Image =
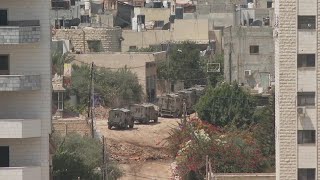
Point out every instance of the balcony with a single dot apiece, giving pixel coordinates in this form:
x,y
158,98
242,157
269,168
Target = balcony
x,y
20,128
19,82
20,173
20,32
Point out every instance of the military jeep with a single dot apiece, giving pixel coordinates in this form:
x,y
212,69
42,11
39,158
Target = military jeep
x,y
143,113
120,118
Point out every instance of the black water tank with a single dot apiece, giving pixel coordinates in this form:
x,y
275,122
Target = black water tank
x,y
171,18
157,4
179,12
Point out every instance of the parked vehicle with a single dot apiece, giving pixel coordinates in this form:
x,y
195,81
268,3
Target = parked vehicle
x,y
120,118
172,104
143,113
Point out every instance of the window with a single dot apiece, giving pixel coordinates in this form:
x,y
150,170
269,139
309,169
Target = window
x,y
306,98
254,49
269,4
60,101
306,136
306,60
95,46
4,64
73,2
84,19
4,156
158,24
3,17
306,22
244,22
250,21
306,174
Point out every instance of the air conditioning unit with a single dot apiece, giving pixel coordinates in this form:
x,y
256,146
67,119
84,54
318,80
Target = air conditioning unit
x,y
301,111
247,73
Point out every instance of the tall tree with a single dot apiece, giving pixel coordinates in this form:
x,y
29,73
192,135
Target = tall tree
x,y
227,105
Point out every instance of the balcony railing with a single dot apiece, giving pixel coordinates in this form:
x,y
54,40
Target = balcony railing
x,y
20,32
20,128
20,173
19,82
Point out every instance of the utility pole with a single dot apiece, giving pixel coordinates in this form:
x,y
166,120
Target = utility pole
x,y
103,160
91,99
184,112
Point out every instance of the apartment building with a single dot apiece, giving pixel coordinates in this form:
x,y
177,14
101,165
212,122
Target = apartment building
x,y
25,89
297,80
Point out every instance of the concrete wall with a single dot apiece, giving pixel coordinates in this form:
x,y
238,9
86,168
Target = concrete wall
x,y
237,41
109,37
33,58
191,29
153,14
136,62
252,176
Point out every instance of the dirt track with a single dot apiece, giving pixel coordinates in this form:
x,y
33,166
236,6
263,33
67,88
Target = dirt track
x,y
140,151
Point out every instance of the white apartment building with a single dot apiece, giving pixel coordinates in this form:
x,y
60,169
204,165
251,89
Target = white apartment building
x,y
297,76
25,89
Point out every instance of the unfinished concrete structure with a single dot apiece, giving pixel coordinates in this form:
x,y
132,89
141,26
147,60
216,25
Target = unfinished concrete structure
x,y
297,89
249,56
25,89
91,39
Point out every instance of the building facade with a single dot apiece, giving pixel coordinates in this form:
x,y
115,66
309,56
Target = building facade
x,y
25,89
249,56
297,81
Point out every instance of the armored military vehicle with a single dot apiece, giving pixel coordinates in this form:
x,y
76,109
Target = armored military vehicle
x,y
170,105
143,113
120,118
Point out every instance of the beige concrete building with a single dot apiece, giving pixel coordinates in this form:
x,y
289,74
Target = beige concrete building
x,y
25,89
191,29
142,64
297,81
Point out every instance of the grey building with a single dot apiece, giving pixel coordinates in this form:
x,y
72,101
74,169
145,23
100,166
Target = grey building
x,y
249,56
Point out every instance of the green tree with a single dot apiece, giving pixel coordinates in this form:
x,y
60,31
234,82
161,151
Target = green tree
x,y
79,156
226,105
184,64
116,88
58,61
264,132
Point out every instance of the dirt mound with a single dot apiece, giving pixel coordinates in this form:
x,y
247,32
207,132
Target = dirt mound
x,y
125,152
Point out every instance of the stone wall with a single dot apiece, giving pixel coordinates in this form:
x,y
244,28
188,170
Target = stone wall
x,y
64,127
110,38
285,92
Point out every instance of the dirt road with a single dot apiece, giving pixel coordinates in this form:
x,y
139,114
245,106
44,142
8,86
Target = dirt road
x,y
140,151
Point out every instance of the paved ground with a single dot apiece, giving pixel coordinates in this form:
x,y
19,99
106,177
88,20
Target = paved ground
x,y
140,151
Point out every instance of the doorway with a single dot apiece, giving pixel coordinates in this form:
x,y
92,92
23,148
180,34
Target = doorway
x,y
4,156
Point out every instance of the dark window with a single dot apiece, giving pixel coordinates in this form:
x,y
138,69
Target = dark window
x,y
306,98
158,24
4,65
254,49
55,4
244,22
249,1
306,136
85,19
95,46
269,4
306,22
3,17
306,60
306,174
250,21
4,156
72,2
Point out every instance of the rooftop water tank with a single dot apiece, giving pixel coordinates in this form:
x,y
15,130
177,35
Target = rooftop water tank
x,y
87,5
250,5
